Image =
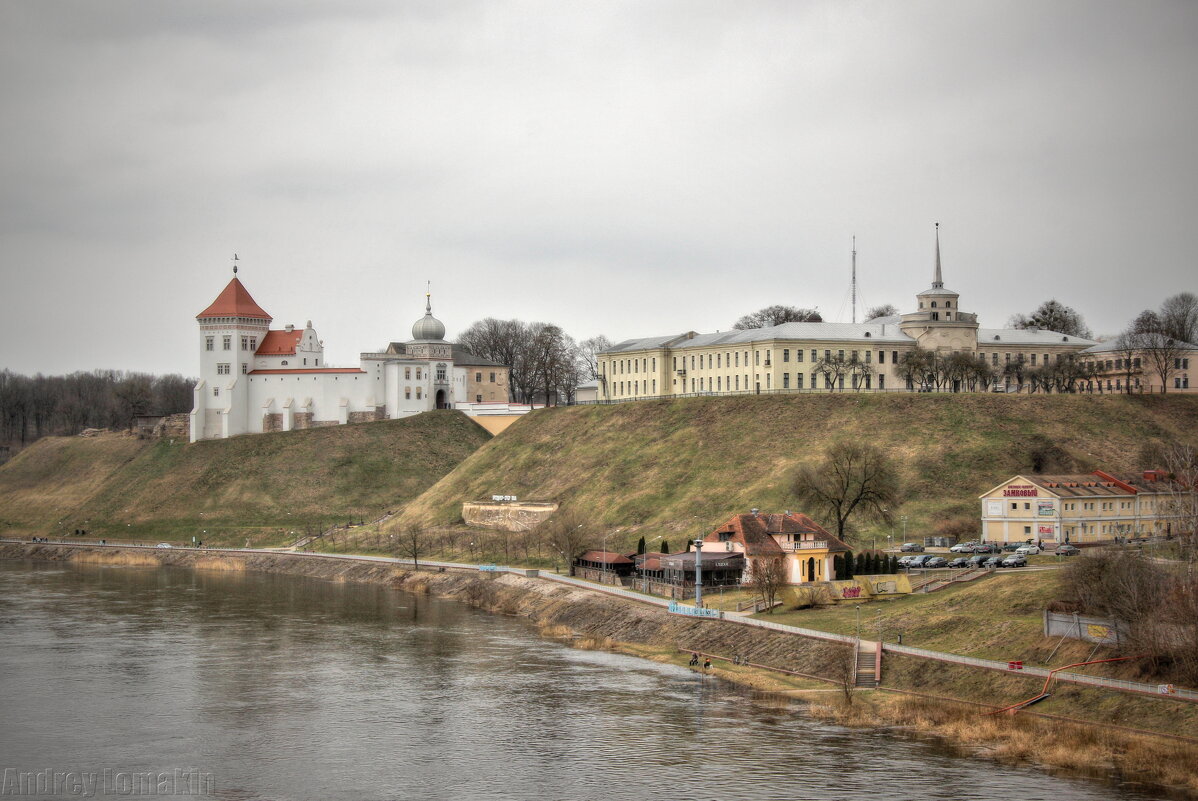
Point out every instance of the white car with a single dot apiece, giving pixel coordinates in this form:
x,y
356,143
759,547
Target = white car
x,y
164,545
1028,550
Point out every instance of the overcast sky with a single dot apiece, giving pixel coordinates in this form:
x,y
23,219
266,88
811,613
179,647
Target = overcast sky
x,y
627,169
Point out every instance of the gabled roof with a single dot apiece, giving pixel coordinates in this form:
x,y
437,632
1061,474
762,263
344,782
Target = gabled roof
x,y
754,531
994,337
605,557
234,301
279,343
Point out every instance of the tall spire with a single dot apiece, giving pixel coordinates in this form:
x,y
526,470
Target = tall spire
x,y
938,281
428,297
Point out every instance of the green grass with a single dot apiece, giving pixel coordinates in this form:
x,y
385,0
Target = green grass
x,y
681,467
260,487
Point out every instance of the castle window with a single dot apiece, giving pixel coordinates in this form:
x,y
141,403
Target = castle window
x,y
440,372
222,368
935,315
216,392
492,378
407,393
948,304
933,304
228,342
245,343
209,343
244,368
254,343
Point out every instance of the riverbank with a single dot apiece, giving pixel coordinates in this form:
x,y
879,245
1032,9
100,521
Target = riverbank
x,y
590,619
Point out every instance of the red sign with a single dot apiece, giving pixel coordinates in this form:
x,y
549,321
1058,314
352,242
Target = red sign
x,y
1019,491
1015,665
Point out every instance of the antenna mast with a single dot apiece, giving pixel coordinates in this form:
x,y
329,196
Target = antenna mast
x,y
854,278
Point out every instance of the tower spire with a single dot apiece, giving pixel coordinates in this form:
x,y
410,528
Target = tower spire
x,y
428,297
234,264
938,280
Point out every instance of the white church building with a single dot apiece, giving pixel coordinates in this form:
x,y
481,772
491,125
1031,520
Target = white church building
x,y
255,379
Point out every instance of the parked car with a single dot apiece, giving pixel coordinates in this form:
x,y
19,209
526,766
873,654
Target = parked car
x,y
1015,560
964,547
1067,550
993,561
978,559
986,547
1011,547
905,561
921,560
935,561
163,545
911,547
960,561
1028,550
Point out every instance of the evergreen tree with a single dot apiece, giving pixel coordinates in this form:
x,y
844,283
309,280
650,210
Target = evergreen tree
x,y
640,546
665,546
862,564
848,565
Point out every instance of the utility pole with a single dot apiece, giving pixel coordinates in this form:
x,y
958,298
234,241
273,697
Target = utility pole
x,y
699,573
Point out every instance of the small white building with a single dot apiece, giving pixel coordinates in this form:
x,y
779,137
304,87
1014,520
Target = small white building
x,y
255,379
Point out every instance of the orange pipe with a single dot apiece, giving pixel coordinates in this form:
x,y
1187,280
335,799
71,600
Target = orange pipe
x,y
1052,674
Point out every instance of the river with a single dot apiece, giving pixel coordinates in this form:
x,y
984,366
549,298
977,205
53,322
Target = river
x,y
246,686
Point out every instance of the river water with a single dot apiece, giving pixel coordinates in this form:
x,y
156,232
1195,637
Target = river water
x,y
256,686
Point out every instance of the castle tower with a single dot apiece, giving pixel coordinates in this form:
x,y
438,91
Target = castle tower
x,y
938,324
230,330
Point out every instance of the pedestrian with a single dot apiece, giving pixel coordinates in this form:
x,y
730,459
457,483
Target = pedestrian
x,y
694,658
707,664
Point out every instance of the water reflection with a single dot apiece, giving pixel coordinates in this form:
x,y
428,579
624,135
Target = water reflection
x,y
291,688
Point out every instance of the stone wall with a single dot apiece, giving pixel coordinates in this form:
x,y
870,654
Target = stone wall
x,y
368,417
272,422
507,516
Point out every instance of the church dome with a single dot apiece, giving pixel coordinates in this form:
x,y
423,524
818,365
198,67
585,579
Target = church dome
x,y
428,327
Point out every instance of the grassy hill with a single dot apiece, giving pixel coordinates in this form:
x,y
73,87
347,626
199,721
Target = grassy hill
x,y
261,487
680,467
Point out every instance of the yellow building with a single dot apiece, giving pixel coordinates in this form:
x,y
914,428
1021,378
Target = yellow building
x,y
798,357
806,547
1095,507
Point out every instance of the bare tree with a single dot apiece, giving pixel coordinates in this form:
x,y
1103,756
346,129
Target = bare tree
x,y
413,542
885,310
1179,317
1052,315
777,315
852,477
767,576
913,366
833,367
566,534
588,354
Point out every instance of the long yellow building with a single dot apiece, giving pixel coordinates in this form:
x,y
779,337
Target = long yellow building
x,y
797,357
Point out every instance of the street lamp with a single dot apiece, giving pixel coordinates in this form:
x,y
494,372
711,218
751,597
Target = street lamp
x,y
699,572
858,608
904,519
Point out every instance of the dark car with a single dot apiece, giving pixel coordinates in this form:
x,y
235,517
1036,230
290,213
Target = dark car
x,y
960,561
911,547
978,560
1015,560
920,560
1012,546
1067,550
935,561
993,562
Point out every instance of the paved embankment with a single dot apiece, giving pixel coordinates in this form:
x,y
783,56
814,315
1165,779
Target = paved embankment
x,y
350,567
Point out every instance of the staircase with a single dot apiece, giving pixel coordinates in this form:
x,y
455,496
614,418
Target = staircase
x,y
867,677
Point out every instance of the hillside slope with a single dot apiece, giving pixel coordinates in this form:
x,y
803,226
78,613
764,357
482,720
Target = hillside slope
x,y
260,486
686,465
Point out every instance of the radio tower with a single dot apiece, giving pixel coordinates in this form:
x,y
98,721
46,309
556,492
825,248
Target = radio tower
x,y
854,278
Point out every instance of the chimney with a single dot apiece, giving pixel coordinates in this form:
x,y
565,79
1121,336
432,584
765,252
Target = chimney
x,y
754,511
1150,475
289,328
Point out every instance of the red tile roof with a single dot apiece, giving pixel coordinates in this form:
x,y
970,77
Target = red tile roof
x,y
286,371
234,301
606,557
753,531
279,343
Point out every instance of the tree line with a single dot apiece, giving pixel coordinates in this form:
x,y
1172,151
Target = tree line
x,y
546,363
62,405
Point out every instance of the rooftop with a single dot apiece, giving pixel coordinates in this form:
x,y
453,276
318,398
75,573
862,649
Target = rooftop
x,y
234,301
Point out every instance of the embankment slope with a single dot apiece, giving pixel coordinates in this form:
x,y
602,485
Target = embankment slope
x,y
253,486
686,464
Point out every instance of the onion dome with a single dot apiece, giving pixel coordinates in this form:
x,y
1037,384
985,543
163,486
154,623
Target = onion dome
x,y
428,327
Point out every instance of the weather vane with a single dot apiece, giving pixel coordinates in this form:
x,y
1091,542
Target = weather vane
x,y
234,264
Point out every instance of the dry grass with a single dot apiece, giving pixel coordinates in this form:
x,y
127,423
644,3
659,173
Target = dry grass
x,y
680,467
258,487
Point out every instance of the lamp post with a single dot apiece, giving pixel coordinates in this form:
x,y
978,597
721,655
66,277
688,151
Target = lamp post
x,y
904,519
699,572
645,558
858,608
603,564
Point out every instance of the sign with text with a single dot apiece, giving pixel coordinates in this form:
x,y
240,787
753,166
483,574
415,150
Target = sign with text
x,y
676,608
1046,508
1019,491
503,498
1046,531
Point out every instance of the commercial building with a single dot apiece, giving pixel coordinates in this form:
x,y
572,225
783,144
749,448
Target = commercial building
x,y
806,547
1078,509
